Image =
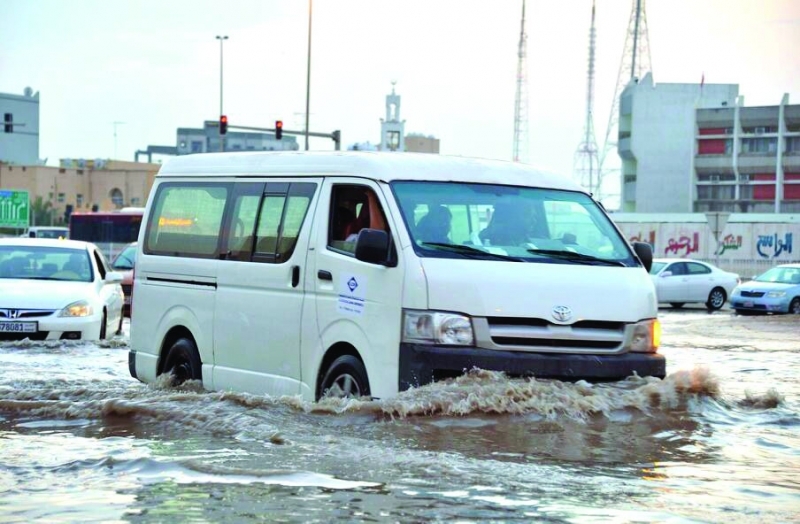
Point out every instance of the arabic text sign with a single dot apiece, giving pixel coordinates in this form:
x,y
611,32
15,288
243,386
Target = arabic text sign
x,y
14,209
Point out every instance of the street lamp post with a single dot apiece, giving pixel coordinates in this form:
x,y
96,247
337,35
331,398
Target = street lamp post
x,y
308,71
221,137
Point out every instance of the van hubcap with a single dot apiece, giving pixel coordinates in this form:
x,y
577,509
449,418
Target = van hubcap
x,y
345,385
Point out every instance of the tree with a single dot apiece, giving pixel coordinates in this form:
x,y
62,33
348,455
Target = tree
x,y
41,212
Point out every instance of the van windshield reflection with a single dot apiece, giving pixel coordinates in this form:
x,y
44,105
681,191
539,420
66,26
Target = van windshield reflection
x,y
486,221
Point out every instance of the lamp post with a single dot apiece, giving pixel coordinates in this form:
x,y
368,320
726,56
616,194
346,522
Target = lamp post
x,y
308,71
221,137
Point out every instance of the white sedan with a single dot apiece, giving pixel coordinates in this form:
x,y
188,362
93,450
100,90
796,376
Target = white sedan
x,y
681,280
57,290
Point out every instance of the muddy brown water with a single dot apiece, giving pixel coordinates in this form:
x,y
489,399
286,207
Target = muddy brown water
x,y
717,440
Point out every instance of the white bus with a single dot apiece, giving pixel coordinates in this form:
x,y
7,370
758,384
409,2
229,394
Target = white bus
x,y
365,274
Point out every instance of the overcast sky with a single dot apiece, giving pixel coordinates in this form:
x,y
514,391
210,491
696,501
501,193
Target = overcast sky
x,y
155,64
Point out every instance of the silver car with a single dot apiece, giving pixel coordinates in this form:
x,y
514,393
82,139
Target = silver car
x,y
775,291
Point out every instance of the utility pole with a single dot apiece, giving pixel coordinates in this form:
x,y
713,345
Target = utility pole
x,y
221,136
586,168
521,101
308,72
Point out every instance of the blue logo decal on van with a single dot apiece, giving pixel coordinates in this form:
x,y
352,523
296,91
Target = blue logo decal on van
x,y
352,284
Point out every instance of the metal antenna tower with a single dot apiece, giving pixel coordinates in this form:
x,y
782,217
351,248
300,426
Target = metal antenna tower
x,y
587,163
521,101
635,63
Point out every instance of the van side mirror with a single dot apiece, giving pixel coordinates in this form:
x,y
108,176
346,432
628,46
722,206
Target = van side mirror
x,y
645,254
372,245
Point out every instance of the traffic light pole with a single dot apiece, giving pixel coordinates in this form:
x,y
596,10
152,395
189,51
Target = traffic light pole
x,y
336,136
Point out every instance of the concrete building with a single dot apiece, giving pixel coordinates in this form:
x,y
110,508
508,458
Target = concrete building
x,y
392,128
207,140
19,134
83,184
696,148
418,143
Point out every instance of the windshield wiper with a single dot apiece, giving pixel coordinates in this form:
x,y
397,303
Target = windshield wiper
x,y
576,257
469,250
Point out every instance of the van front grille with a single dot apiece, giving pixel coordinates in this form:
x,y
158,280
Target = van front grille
x,y
538,334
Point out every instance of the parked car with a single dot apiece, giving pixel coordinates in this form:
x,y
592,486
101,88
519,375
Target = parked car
x,y
124,263
775,291
57,290
681,280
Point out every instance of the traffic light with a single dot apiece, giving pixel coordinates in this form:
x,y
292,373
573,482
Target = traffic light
x,y
9,123
223,124
278,129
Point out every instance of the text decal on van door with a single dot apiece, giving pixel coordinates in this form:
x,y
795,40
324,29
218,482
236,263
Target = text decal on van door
x,y
352,289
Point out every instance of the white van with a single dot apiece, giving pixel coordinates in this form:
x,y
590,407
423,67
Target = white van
x,y
366,274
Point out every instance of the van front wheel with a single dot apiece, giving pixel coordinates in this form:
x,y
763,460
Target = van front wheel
x,y
346,377
183,362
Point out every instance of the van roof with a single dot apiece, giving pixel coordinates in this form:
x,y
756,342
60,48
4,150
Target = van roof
x,y
383,166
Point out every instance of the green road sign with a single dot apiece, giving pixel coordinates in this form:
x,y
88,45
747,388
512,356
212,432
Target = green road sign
x,y
14,209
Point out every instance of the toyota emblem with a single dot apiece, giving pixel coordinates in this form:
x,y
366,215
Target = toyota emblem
x,y
562,313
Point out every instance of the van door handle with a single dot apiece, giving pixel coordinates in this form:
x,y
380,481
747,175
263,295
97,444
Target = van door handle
x,y
324,275
295,275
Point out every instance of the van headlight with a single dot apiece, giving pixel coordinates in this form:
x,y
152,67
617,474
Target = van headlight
x,y
437,327
776,294
80,308
646,337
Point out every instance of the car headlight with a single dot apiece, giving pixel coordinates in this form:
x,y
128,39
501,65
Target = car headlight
x,y
80,308
437,327
646,336
776,294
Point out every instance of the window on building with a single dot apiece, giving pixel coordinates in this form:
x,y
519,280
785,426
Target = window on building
x,y
716,177
393,139
61,198
116,197
197,146
79,200
745,192
793,144
136,201
716,192
759,145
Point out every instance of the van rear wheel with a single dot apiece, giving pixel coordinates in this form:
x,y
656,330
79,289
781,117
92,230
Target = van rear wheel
x,y
346,377
183,362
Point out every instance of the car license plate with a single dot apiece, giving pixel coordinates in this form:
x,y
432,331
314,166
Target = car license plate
x,y
749,303
19,327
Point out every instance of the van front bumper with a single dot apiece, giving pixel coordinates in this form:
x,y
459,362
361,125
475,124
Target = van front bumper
x,y
422,364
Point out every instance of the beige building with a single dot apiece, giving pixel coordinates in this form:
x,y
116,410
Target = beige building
x,y
83,184
422,144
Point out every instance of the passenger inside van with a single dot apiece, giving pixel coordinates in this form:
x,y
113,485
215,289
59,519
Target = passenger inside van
x,y
510,225
435,225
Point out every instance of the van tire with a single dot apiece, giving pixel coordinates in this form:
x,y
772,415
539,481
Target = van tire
x,y
183,362
348,373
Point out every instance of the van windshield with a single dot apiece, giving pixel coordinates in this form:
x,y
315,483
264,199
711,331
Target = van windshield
x,y
516,224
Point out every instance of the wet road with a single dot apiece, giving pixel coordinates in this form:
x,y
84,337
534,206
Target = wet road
x,y
717,440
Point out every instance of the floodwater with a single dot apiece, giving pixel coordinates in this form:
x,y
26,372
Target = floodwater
x,y
718,440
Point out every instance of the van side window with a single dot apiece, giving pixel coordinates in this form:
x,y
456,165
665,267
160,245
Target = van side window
x,y
353,208
186,220
283,212
239,244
